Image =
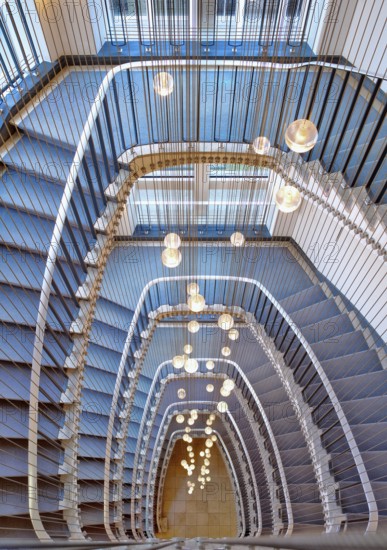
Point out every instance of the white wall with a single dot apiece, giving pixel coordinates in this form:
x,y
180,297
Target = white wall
x,y
68,27
342,257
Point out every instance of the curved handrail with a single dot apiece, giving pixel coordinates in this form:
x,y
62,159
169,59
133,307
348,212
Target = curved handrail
x,y
228,461
54,247
163,423
256,492
258,403
358,460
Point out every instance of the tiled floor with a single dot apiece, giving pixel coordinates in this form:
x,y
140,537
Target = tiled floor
x,y
206,513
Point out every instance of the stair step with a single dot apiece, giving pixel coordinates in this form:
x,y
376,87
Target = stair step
x,y
352,364
304,298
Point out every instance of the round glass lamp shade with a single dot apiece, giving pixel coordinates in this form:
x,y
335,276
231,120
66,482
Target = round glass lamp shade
x,y
192,289
225,321
208,430
187,429
213,437
196,303
288,199
194,414
163,84
191,366
191,421
261,145
171,257
229,384
301,135
193,326
188,349
226,351
209,422
233,334
210,388
209,443
180,418
189,449
237,239
178,361
210,365
224,392
172,240
181,393
222,406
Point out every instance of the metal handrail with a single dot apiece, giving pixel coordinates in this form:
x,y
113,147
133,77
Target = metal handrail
x,y
54,247
367,487
262,412
223,449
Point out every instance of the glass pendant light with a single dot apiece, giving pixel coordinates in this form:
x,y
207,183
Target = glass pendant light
x,y
178,361
209,443
191,366
163,84
237,239
261,145
212,416
191,421
224,392
225,321
208,430
301,135
171,257
210,388
172,240
222,406
196,302
187,429
180,419
213,437
233,334
193,326
194,414
210,365
192,289
288,199
226,351
229,384
181,393
188,349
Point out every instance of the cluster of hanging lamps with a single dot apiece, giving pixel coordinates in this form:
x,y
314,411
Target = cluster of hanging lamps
x,y
171,256
195,300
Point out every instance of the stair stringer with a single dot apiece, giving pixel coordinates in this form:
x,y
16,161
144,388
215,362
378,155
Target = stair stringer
x,y
71,398
327,485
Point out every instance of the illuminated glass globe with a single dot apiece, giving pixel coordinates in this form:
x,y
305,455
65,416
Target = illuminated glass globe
x,y
224,392
201,453
288,199
171,257
225,321
210,365
206,462
212,416
180,419
194,414
226,351
163,84
193,326
237,239
192,289
208,430
261,145
184,463
189,439
213,437
172,240
189,449
188,349
229,384
209,443
210,388
178,361
196,303
191,421
222,406
191,366
187,429
208,478
191,454
181,393
233,334
301,135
